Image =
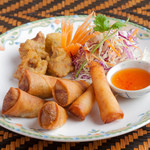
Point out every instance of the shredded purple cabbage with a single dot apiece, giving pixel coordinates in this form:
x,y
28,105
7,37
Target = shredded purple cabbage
x,y
126,52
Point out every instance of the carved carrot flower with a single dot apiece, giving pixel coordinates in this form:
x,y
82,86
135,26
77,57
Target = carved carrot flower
x,y
82,35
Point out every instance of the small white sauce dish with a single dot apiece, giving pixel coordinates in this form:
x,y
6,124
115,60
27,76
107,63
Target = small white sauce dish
x,y
124,65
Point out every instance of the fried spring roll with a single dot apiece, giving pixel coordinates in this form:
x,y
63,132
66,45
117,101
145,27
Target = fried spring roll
x,y
66,91
52,116
83,104
108,105
18,103
37,84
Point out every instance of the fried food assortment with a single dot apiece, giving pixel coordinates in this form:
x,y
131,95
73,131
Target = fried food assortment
x,y
33,56
43,56
21,104
52,56
52,116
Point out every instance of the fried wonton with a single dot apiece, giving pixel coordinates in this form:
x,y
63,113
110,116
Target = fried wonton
x,y
33,62
53,40
60,63
36,44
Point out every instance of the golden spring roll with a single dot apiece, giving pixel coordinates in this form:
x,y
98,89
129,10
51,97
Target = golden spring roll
x,y
52,116
108,105
37,84
66,91
18,103
82,106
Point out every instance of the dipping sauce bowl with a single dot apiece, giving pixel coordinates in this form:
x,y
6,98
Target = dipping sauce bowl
x,y
126,65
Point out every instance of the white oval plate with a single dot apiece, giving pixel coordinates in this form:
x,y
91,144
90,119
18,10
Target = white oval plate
x,y
136,111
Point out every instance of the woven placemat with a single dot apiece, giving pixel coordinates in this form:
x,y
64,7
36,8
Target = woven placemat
x,y
16,12
137,140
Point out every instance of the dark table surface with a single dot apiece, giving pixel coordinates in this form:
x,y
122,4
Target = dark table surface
x,y
16,12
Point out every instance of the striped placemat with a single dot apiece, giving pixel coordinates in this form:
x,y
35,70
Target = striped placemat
x,y
16,12
137,140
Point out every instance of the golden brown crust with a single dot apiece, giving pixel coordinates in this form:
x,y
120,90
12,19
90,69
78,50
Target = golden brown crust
x,y
52,40
36,84
10,99
108,105
25,105
31,62
69,90
60,93
52,116
36,44
24,81
33,56
48,114
83,84
83,104
60,63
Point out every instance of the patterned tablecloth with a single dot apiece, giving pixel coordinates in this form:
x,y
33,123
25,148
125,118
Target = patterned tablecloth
x,y
16,12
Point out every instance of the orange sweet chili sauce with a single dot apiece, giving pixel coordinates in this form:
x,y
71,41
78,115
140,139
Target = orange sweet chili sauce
x,y
131,79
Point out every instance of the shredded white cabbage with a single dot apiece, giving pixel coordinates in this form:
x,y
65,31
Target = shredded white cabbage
x,y
122,46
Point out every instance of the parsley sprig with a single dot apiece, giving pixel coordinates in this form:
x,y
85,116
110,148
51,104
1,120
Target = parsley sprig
x,y
102,25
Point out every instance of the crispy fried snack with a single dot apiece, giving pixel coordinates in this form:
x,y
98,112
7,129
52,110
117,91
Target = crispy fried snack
x,y
37,84
52,116
33,56
36,44
82,106
53,40
108,105
60,63
66,91
21,104
32,62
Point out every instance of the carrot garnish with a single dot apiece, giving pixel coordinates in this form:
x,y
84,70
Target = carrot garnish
x,y
73,48
63,38
80,31
136,30
113,48
70,31
81,36
84,25
99,58
90,56
139,50
63,25
86,38
1,48
84,34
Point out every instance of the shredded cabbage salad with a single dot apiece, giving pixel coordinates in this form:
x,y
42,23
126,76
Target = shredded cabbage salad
x,y
120,47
